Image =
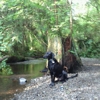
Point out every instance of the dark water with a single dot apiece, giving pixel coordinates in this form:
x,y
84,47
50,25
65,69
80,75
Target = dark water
x,y
9,85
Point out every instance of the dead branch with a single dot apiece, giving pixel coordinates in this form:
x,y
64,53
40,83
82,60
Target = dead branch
x,y
3,58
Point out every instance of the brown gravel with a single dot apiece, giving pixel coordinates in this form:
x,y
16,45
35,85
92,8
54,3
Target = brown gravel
x,y
84,87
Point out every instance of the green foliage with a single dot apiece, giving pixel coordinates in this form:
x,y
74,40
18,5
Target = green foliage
x,y
5,43
89,49
87,30
18,24
5,69
25,25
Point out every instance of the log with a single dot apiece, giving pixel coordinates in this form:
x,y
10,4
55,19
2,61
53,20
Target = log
x,y
4,57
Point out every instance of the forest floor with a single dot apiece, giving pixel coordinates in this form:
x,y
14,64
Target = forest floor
x,y
84,87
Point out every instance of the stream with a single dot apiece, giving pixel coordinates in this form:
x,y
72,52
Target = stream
x,y
10,86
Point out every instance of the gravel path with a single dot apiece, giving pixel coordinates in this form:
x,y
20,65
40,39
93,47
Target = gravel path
x,y
84,87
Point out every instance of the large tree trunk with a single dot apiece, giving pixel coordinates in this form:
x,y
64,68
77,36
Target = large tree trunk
x,y
70,57
55,46
62,52
65,54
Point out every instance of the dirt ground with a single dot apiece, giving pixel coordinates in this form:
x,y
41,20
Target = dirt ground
x,y
84,87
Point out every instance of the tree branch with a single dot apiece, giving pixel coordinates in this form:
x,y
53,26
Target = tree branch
x,y
3,58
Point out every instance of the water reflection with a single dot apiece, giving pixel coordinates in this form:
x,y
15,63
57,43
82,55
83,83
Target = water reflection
x,y
9,85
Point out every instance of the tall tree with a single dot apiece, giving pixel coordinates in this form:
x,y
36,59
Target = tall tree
x,y
64,45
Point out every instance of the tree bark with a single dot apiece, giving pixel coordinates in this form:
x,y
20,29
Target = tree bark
x,y
71,60
55,46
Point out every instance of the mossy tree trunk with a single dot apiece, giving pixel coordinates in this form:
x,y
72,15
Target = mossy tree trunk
x,y
55,46
70,57
65,52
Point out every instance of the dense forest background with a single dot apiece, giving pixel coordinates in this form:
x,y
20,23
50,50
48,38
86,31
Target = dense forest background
x,y
26,24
